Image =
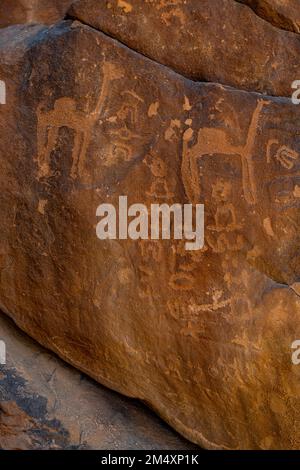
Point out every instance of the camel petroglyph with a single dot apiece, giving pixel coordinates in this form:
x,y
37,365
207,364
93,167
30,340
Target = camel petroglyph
x,y
212,141
66,114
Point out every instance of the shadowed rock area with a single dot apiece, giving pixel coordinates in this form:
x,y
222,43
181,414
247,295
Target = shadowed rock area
x,y
45,404
32,11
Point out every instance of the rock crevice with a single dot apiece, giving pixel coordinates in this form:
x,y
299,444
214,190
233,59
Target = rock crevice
x,y
221,41
283,14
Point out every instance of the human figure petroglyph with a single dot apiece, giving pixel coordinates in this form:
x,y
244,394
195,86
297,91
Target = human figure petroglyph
x,y
183,265
160,186
129,107
66,114
225,216
157,166
121,147
213,141
226,226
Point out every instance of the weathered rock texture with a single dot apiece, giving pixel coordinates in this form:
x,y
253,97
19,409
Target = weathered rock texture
x,y
212,40
202,337
283,14
45,404
32,11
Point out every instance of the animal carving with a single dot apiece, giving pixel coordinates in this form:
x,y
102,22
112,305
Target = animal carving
x,y
213,141
65,114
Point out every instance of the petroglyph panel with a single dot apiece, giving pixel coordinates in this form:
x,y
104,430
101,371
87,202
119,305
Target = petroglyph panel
x,y
193,334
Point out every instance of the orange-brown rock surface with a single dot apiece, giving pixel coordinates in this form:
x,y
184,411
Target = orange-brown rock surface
x,y
283,14
212,40
32,11
46,404
203,337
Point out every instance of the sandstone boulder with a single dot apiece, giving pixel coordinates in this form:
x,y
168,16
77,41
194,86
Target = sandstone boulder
x,y
46,404
283,14
211,40
203,337
32,11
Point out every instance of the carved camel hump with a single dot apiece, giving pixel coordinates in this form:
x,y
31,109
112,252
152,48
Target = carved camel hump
x,y
215,141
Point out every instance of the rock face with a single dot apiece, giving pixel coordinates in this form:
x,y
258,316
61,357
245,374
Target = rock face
x,y
32,11
45,404
283,14
212,40
203,337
